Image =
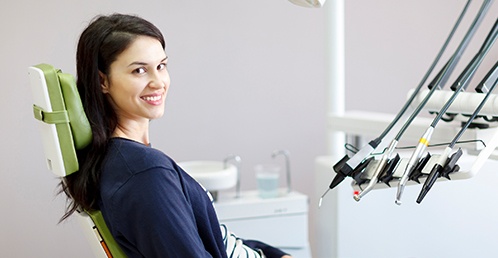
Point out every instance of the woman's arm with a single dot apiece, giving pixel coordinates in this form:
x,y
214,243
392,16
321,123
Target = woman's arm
x,y
237,247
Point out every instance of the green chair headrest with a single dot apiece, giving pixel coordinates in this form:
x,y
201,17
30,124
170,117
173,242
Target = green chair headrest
x,y
72,127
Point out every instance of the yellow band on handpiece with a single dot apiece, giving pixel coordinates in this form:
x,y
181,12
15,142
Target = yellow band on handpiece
x,y
424,141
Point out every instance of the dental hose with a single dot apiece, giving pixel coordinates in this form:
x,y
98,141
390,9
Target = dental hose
x,y
459,85
436,84
446,163
346,165
442,76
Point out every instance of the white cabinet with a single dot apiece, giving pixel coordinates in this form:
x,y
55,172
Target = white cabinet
x,y
281,222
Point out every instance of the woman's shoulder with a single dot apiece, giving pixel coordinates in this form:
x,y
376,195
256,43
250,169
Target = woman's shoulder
x,y
136,156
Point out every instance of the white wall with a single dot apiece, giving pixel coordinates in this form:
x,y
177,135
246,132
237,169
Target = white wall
x,y
247,78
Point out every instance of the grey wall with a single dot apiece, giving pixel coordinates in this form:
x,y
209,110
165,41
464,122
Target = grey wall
x,y
247,78
391,44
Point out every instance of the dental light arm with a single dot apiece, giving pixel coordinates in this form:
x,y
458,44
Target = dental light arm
x,y
346,165
424,140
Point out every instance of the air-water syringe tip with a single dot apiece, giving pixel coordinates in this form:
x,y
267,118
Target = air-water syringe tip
x,y
321,198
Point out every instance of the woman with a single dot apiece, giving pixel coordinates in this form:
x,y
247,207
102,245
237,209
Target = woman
x,y
151,206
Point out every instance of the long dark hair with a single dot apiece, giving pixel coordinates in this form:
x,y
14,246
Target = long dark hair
x,y
99,45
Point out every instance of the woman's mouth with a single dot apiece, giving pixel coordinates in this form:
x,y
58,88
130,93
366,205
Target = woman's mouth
x,y
153,100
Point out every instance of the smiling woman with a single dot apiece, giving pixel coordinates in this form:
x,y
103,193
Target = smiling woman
x,y
151,206
136,87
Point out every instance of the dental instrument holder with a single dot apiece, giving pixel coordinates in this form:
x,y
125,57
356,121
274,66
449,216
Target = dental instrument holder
x,y
387,176
418,171
379,169
286,155
438,171
366,123
346,165
450,162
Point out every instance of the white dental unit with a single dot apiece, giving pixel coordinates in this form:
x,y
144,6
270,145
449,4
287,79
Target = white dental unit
x,y
459,215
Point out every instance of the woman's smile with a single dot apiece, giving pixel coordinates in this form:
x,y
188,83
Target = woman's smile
x,y
154,99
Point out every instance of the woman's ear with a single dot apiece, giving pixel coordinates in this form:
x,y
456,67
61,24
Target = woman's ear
x,y
104,82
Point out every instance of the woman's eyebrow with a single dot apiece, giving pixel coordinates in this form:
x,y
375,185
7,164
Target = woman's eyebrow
x,y
137,63
144,63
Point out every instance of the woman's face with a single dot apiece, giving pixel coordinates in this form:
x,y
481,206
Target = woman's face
x,y
138,81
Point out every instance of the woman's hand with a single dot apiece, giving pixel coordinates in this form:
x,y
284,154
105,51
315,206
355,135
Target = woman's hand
x,y
286,256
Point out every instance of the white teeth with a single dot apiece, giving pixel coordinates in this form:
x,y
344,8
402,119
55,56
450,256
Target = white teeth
x,y
152,98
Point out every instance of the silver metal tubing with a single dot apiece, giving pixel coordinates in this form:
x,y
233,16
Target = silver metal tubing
x,y
286,155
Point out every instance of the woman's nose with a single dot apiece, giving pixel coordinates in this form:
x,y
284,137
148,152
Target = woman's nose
x,y
157,84
158,81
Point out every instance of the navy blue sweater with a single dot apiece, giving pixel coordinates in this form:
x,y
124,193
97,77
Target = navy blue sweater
x,y
148,204
155,209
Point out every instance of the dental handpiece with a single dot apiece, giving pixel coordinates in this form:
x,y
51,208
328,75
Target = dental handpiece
x,y
434,174
380,167
346,165
419,150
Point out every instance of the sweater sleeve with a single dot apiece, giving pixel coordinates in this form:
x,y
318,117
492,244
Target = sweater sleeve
x,y
240,248
268,250
153,215
235,246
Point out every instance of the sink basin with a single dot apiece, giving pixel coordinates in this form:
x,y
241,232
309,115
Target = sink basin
x,y
211,174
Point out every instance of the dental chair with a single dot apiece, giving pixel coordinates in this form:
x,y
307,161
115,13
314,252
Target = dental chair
x,y
65,129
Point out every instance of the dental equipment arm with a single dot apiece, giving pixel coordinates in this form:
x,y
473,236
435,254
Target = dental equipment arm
x,y
436,84
444,161
462,82
346,165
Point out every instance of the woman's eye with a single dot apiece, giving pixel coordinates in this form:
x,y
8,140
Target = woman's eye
x,y
161,66
139,70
